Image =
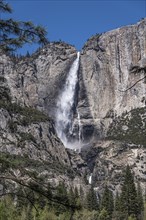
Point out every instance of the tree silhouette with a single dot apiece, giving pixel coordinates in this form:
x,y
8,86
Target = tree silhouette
x,y
14,34
129,203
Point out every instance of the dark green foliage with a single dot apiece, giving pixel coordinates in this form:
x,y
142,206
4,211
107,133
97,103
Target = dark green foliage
x,y
16,161
118,214
103,215
12,126
8,210
145,210
27,137
140,201
15,34
107,202
49,202
61,190
4,94
91,200
129,204
128,197
71,196
136,127
30,115
74,197
117,202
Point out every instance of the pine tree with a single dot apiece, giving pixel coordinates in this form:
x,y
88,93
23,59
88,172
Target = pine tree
x,y
132,217
107,201
61,196
140,201
82,197
118,215
77,198
103,215
71,196
81,191
8,210
128,198
47,214
91,200
14,34
117,202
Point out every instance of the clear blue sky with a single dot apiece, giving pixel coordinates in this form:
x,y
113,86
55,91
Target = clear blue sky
x,y
75,21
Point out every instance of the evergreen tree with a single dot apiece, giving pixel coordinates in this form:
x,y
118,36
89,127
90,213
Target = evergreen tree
x,y
8,210
91,200
82,197
117,208
77,198
117,202
76,192
81,191
140,208
132,217
61,195
107,201
47,215
128,198
71,196
16,33
103,215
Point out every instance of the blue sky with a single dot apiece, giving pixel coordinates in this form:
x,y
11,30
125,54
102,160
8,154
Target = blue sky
x,y
77,20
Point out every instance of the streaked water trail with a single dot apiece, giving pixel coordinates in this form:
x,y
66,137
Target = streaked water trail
x,y
64,114
79,124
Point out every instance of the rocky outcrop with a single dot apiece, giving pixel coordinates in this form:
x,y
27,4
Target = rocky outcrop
x,y
112,104
37,80
107,159
29,87
112,75
28,84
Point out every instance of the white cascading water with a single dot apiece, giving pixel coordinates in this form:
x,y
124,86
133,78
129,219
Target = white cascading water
x,y
64,114
79,124
90,179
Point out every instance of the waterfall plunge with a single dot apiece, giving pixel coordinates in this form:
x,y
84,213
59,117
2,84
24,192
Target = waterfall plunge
x,y
64,115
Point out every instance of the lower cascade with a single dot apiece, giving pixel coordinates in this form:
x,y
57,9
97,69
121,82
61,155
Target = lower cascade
x,y
65,106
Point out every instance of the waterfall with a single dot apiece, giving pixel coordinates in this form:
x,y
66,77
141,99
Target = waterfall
x,y
79,124
90,179
65,105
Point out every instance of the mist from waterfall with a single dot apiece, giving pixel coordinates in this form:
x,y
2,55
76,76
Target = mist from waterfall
x,y
65,105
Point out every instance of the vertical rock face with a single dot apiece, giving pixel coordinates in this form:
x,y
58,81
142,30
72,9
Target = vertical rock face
x,y
33,83
29,88
37,80
111,64
112,103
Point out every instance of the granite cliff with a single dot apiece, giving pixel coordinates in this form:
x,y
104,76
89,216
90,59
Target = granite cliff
x,y
110,98
112,103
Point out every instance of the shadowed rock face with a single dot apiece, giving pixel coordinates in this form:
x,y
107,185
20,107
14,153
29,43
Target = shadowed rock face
x,y
110,97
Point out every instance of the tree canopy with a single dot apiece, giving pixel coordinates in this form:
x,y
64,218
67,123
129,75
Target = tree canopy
x,y
14,34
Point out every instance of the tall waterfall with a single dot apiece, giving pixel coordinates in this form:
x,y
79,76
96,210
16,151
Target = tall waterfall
x,y
65,104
